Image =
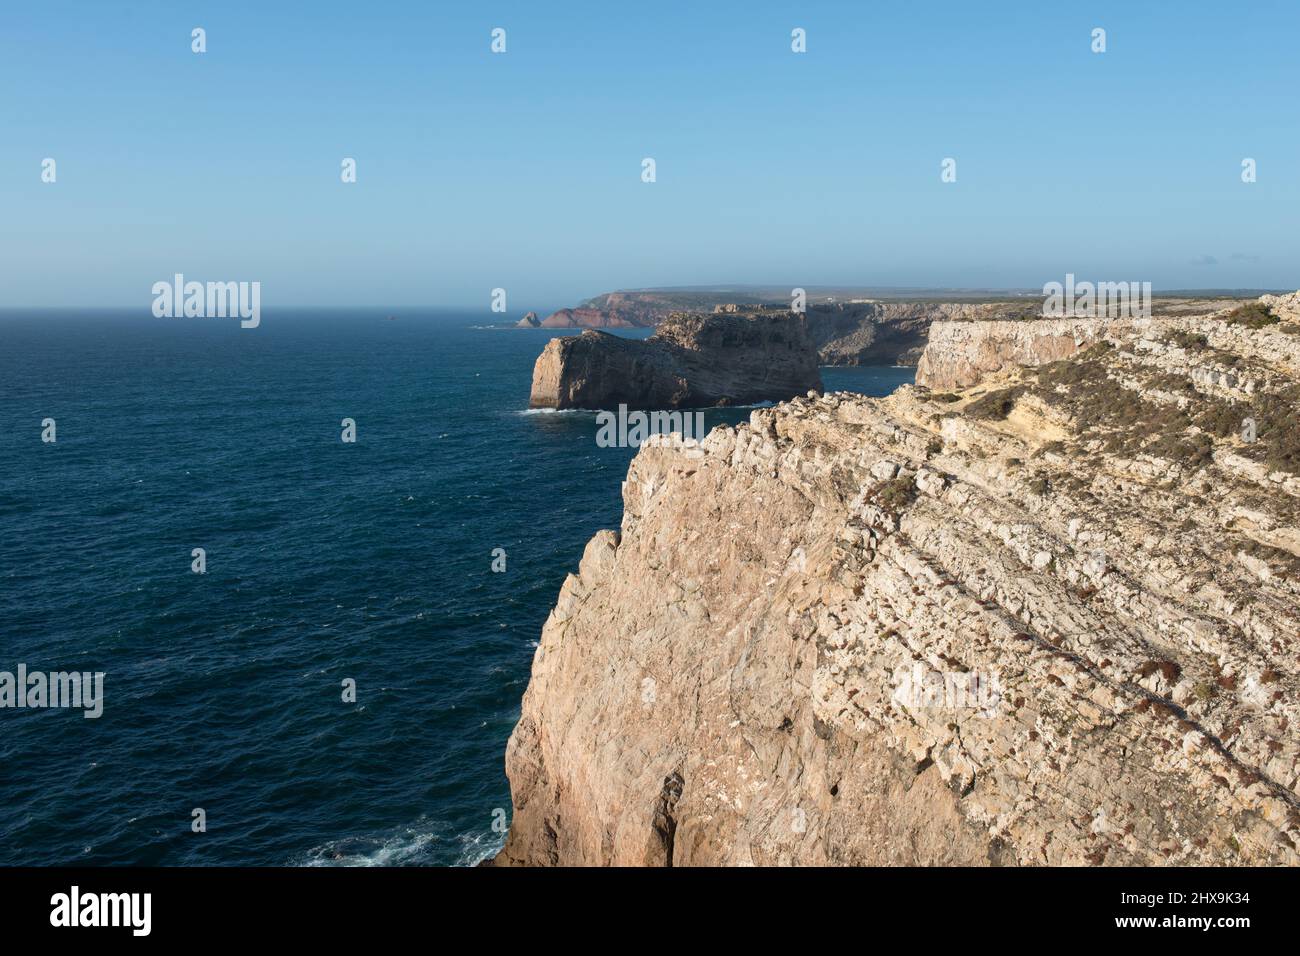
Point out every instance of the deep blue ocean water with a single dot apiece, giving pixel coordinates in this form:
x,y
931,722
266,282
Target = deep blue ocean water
x,y
325,561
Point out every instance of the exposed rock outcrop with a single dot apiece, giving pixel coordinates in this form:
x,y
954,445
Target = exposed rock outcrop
x,y
692,361
893,333
896,333
964,352
1051,618
1286,307
529,321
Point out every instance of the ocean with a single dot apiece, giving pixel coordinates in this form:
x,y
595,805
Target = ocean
x,y
326,562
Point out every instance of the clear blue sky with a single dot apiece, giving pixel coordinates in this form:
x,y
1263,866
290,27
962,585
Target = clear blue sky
x,y
523,170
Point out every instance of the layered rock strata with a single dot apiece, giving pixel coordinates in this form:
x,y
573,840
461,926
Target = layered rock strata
x,y
1049,618
964,352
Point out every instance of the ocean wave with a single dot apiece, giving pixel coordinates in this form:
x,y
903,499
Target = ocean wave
x,y
479,846
693,408
411,846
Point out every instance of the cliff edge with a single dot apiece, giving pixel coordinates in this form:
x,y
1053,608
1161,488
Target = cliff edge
x,y
692,361
1048,618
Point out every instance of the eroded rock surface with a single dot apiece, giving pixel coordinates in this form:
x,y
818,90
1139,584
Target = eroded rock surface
x,y
691,361
965,352
891,333
1051,618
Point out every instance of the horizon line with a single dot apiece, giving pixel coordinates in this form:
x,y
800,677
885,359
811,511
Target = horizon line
x,y
985,291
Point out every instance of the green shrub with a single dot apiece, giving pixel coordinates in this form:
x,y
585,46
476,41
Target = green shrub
x,y
893,495
1252,315
1192,341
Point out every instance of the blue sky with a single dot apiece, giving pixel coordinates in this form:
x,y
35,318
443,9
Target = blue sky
x,y
522,170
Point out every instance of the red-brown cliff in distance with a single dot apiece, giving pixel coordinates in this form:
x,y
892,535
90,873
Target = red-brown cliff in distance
x,y
596,319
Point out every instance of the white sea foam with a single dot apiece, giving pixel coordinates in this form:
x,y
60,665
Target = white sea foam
x,y
592,411
410,846
479,846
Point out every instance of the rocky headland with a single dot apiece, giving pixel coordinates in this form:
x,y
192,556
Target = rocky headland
x,y
692,361
638,309
855,332
1041,608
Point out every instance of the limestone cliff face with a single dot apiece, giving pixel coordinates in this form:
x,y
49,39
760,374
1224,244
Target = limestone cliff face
x,y
892,333
964,352
960,353
1051,618
691,361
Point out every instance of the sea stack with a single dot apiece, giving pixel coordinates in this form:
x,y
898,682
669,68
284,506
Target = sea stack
x,y
692,361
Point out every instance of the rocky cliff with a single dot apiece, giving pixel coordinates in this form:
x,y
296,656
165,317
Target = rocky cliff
x,y
893,333
1049,618
856,332
964,352
639,309
691,361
